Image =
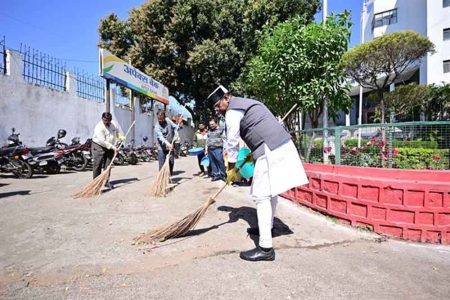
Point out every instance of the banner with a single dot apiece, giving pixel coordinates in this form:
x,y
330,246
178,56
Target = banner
x,y
112,67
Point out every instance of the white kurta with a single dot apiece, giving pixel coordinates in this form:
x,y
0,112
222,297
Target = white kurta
x,y
278,171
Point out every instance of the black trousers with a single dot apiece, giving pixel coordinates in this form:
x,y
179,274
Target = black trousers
x,y
162,159
101,157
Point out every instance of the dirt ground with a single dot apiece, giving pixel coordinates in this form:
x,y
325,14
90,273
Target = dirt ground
x,y
54,246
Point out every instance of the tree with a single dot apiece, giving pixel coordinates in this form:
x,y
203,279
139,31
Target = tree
x,y
301,64
439,106
380,62
192,45
408,99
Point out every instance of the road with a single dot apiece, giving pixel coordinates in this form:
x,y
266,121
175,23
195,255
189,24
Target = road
x,y
53,246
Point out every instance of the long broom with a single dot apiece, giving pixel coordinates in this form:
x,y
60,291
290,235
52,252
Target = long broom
x,y
94,188
161,184
179,228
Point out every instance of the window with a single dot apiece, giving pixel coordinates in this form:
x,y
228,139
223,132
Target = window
x,y
385,18
446,66
445,3
446,34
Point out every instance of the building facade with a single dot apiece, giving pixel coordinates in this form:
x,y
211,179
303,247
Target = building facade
x,y
430,18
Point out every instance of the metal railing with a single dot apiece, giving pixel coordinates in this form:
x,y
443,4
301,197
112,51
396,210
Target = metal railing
x,y
410,145
42,69
2,56
89,87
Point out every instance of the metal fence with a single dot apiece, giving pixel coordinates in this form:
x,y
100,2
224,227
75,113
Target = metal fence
x,y
42,69
2,56
411,145
89,87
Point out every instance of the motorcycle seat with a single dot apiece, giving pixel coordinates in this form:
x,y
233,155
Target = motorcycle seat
x,y
6,151
72,146
39,150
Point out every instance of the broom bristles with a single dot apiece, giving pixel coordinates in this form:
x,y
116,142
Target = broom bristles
x,y
161,184
175,229
94,188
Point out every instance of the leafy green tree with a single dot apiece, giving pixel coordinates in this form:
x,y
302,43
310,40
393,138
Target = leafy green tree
x,y
380,62
406,100
192,45
301,64
439,106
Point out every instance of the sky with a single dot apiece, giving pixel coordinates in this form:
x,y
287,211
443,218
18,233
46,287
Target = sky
x,y
67,30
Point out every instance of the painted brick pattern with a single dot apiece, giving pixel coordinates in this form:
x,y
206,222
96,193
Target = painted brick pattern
x,y
407,204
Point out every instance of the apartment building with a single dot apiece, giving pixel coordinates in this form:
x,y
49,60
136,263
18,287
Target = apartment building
x,y
430,18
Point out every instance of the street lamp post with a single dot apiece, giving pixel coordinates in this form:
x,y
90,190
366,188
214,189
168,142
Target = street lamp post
x,y
363,21
325,100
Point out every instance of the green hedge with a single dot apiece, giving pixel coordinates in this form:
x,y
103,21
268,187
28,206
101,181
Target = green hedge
x,y
397,143
418,158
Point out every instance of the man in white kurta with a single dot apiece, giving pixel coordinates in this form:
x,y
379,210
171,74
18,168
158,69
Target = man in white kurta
x,y
278,167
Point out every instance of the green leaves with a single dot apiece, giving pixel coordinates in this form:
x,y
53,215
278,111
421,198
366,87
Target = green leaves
x,y
192,45
386,56
379,63
301,63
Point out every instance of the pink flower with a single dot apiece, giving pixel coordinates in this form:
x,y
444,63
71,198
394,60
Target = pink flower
x,y
326,149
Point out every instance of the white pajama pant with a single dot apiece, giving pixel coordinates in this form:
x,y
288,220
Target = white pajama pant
x,y
265,210
275,172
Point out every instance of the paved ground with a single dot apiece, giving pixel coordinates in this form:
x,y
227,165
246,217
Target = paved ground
x,y
53,246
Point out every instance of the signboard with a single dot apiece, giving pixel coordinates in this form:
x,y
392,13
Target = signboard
x,y
112,67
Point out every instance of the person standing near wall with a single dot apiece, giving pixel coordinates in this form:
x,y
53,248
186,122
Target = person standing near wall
x,y
200,137
215,151
177,139
103,145
165,131
278,167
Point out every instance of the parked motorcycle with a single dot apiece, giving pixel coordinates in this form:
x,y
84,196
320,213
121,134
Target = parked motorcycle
x,y
72,156
184,149
14,157
143,152
126,155
86,149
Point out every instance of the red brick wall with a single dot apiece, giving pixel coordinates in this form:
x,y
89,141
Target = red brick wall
x,y
408,204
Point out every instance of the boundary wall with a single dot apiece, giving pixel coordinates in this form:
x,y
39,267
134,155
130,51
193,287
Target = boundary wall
x,y
408,204
37,112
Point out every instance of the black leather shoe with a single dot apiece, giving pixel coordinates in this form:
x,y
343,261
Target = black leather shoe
x,y
255,231
258,254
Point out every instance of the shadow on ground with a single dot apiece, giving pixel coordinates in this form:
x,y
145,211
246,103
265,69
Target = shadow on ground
x,y
124,181
248,214
9,194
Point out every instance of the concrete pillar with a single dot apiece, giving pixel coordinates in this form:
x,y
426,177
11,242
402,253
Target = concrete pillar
x,y
71,83
14,64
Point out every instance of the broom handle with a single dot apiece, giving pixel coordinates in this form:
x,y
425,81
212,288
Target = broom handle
x,y
225,184
288,113
121,143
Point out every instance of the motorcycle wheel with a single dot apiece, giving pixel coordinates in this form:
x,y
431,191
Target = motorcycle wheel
x,y
22,169
132,159
119,160
80,161
53,169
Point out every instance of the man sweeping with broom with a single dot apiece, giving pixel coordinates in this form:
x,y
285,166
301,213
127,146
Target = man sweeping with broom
x,y
277,169
166,131
103,145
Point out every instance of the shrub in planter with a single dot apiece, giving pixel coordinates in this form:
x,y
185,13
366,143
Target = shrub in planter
x,y
419,158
